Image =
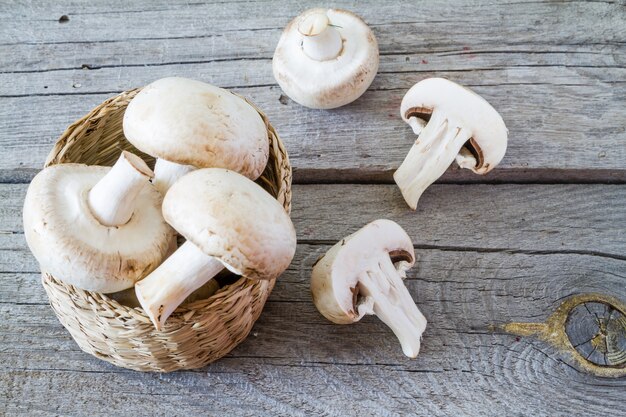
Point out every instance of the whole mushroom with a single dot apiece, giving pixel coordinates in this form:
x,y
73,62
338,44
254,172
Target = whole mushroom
x,y
188,124
326,58
362,274
128,297
229,222
97,228
452,122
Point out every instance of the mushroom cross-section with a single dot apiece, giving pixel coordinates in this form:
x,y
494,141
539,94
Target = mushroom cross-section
x,y
362,274
229,222
452,122
325,58
97,228
188,124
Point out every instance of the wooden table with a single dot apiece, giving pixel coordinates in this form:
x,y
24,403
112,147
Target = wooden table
x,y
546,225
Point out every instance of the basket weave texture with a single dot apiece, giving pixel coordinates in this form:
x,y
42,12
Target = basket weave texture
x,y
196,333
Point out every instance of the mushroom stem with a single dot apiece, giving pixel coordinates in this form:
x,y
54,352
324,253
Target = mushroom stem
x,y
112,199
174,280
166,173
384,295
438,144
320,40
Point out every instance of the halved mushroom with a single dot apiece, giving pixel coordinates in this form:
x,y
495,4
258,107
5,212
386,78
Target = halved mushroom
x,y
97,228
229,222
326,58
362,274
188,124
452,122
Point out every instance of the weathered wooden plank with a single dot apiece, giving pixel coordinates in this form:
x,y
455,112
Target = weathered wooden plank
x,y
553,133
483,217
487,67
12,198
259,389
472,272
526,218
569,72
479,218
445,22
395,40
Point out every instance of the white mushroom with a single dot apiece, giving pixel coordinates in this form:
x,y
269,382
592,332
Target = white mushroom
x,y
452,122
128,297
97,228
189,124
229,222
326,58
362,274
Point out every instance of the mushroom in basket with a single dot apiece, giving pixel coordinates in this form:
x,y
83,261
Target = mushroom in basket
x,y
187,124
362,274
452,122
229,222
97,228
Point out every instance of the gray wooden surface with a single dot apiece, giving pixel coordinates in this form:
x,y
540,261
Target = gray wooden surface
x,y
547,224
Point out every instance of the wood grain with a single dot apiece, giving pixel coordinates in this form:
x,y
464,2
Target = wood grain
x,y
296,363
558,80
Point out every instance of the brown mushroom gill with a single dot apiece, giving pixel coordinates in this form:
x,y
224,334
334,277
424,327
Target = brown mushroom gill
x,y
400,255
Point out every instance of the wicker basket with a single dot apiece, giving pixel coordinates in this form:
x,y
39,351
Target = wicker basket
x,y
196,333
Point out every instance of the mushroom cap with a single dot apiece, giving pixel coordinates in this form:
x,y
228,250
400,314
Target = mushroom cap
x,y
332,83
464,107
234,220
73,246
335,277
193,123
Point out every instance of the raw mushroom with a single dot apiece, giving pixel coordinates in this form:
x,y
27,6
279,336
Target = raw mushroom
x,y
452,122
229,222
188,124
326,58
362,274
128,297
97,228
